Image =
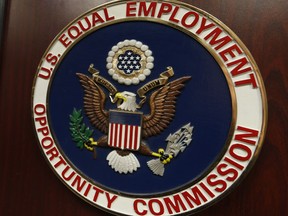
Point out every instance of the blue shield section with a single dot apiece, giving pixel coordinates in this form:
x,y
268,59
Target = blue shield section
x,y
127,118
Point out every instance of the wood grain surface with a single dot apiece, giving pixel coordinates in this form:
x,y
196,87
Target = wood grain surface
x,y
29,186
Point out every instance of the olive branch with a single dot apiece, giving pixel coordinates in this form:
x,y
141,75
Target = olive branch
x,y
79,131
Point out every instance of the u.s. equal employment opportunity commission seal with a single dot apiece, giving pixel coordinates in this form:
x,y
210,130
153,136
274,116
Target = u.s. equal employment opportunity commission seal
x,y
149,108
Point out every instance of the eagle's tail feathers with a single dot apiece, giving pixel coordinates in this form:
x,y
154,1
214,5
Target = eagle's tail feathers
x,y
156,167
123,164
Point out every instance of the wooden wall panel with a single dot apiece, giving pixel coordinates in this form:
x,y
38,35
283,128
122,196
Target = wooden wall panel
x,y
29,187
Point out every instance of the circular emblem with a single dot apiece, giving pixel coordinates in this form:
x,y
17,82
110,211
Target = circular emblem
x,y
129,62
136,132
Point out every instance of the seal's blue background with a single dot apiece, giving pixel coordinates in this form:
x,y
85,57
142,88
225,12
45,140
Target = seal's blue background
x,y
204,102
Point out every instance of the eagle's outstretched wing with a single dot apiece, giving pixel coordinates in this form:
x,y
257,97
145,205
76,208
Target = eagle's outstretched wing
x,y
94,100
162,104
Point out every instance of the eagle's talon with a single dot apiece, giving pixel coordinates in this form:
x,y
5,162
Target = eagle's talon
x,y
161,151
166,158
90,144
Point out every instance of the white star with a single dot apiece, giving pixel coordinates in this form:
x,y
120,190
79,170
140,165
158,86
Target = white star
x,y
138,57
125,57
134,62
132,57
131,66
128,62
128,71
123,62
120,66
129,53
125,66
137,67
120,57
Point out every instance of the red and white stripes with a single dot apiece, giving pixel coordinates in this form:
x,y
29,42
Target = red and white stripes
x,y
124,136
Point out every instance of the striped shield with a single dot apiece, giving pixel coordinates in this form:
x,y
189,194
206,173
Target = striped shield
x,y
125,130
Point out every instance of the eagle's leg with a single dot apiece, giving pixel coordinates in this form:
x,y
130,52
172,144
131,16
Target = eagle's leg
x,y
101,142
145,150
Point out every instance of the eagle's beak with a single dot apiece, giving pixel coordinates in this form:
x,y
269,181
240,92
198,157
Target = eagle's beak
x,y
118,96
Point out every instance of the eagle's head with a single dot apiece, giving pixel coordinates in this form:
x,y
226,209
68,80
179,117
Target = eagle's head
x,y
126,101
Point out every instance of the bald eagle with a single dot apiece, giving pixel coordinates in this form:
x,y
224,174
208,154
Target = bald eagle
x,y
162,106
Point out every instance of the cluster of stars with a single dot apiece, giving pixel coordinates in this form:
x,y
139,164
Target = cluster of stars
x,y
128,62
